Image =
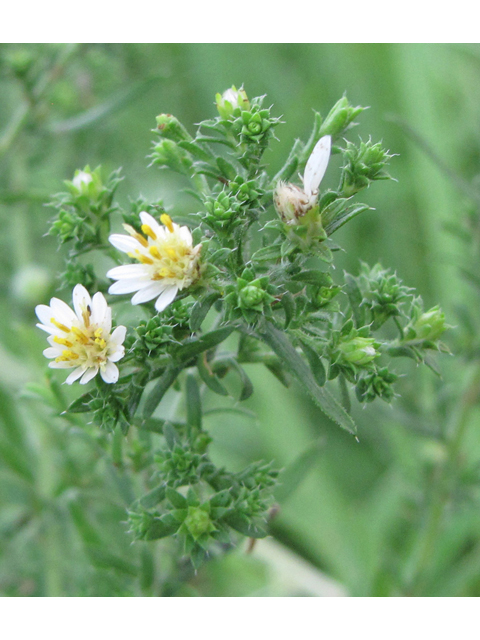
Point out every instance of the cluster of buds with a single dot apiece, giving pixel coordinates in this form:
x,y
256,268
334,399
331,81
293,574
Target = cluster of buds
x,y
84,211
250,297
363,165
383,293
376,384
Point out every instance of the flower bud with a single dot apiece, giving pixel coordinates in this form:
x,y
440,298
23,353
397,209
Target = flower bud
x,y
170,127
430,325
198,522
359,351
365,164
168,154
231,100
340,118
86,183
251,296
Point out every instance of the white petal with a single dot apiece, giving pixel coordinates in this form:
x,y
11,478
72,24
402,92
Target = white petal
x,y
52,352
99,309
52,330
127,244
129,285
148,293
117,354
167,296
75,375
44,313
62,312
128,271
81,298
150,221
109,372
90,373
118,335
317,165
63,364
186,236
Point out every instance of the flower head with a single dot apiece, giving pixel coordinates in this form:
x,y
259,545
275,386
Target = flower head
x,y
293,202
81,339
168,261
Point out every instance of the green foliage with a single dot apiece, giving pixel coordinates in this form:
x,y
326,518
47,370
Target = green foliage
x,y
220,340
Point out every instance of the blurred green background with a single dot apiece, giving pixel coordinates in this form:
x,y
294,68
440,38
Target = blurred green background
x,y
355,518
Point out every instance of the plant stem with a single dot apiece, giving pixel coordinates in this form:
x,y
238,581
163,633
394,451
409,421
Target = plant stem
x,y
441,485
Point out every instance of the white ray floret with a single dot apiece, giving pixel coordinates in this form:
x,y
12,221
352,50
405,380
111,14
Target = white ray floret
x,y
167,261
292,202
82,339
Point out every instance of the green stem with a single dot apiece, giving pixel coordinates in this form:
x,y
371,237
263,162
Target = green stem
x,y
441,486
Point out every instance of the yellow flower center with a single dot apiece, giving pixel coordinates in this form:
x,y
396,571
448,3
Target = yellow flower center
x,y
169,257
86,344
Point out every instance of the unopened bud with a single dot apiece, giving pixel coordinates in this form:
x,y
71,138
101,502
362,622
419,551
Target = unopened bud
x,y
230,100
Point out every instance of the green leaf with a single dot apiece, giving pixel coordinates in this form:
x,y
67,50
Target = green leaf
x,y
315,363
349,213
265,254
163,385
176,499
209,378
160,529
205,342
157,425
288,304
314,276
201,308
243,525
282,346
194,403
355,298
81,405
153,497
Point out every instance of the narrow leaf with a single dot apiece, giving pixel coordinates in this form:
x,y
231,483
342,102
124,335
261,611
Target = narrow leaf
x,y
281,345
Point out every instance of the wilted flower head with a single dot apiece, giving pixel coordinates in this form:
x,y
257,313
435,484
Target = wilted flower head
x,y
81,339
292,202
168,261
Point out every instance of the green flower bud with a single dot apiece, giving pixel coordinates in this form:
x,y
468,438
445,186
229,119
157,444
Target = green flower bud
x,y
255,125
251,296
364,164
340,118
358,351
376,384
198,522
223,208
170,127
430,325
168,154
231,100
86,183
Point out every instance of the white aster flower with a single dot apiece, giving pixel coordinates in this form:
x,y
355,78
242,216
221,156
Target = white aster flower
x,y
168,261
81,339
292,202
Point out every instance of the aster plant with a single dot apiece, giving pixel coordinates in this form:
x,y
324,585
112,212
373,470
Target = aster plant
x,y
246,278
